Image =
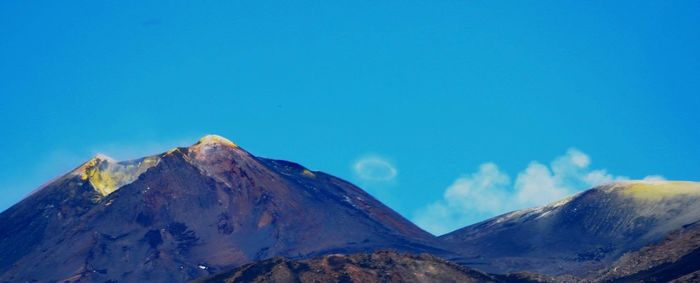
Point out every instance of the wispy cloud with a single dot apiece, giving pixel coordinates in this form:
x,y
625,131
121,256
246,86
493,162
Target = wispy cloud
x,y
374,169
126,151
489,191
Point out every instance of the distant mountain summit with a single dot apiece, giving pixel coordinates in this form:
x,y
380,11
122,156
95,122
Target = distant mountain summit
x,y
580,234
190,212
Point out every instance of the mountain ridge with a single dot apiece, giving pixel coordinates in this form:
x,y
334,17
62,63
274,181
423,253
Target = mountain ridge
x,y
605,222
200,210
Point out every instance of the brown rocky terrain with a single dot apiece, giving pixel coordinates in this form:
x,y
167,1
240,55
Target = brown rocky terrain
x,y
380,266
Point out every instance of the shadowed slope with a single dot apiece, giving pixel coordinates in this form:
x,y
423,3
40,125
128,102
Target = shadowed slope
x,y
675,258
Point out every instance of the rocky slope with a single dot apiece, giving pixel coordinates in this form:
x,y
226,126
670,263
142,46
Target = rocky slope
x,y
364,268
675,258
581,234
189,213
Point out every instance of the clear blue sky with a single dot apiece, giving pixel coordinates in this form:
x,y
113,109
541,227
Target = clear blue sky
x,y
434,88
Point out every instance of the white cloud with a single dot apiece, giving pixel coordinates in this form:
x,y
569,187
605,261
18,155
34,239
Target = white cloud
x,y
490,192
654,178
374,168
487,187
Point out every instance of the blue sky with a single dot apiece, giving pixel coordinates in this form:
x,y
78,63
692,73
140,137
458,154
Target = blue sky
x,y
423,95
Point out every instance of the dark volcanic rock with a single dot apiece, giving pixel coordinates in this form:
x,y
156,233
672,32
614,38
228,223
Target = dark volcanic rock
x,y
361,268
189,213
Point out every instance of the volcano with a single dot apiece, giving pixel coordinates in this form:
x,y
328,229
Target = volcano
x,y
191,212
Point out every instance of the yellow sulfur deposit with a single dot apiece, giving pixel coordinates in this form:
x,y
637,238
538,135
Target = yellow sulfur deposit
x,y
657,190
106,176
216,139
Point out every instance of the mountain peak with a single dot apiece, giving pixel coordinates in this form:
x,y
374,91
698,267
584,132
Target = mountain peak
x,y
216,139
185,213
620,216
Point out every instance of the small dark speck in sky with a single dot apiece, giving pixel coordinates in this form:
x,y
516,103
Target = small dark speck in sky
x,y
150,23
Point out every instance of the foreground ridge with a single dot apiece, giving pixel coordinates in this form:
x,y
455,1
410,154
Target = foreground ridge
x,y
381,266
